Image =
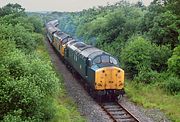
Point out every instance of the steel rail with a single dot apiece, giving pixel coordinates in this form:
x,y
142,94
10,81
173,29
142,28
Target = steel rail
x,y
117,112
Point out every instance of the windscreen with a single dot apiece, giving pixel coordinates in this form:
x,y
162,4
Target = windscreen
x,y
105,59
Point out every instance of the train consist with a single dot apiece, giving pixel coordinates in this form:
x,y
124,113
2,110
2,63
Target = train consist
x,y
99,70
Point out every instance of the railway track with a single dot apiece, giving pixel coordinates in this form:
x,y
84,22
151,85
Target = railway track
x,y
118,113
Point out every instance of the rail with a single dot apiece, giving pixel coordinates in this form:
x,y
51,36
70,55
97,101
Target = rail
x,y
117,112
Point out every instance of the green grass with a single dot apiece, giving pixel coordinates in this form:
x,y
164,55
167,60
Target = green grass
x,y
65,110
152,96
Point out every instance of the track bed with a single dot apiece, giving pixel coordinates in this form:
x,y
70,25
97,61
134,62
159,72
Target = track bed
x,y
117,113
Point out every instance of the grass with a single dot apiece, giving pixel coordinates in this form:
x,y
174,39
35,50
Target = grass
x,y
152,96
65,108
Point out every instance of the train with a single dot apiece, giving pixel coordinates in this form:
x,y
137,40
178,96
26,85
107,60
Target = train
x,y
100,71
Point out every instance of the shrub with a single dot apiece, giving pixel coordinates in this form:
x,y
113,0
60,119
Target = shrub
x,y
146,75
37,23
136,54
159,57
12,118
139,53
21,95
20,30
172,85
174,61
26,85
42,74
13,20
23,39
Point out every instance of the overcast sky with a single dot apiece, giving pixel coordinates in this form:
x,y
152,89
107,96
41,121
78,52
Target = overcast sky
x,y
62,5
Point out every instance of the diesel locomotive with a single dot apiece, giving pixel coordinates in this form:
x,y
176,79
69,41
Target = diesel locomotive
x,y
99,70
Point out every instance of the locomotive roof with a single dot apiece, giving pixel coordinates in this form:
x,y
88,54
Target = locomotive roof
x,y
58,33
71,42
85,50
53,23
52,29
91,52
67,39
61,35
64,35
77,45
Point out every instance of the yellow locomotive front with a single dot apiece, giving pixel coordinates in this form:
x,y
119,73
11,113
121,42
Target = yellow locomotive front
x,y
109,78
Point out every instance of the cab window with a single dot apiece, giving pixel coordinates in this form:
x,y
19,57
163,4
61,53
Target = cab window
x,y
113,61
97,60
65,40
105,59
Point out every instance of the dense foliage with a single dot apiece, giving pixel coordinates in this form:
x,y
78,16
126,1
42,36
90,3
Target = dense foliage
x,y
142,38
27,83
174,61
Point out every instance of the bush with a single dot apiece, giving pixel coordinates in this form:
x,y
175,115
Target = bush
x,y
42,74
21,95
37,24
139,53
26,85
23,39
136,54
12,118
146,75
13,20
174,61
172,85
159,57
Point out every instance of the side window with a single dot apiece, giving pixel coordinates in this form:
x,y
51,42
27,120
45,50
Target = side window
x,y
69,38
97,60
75,57
64,41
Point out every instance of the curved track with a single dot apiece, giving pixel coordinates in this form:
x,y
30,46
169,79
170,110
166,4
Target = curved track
x,y
118,113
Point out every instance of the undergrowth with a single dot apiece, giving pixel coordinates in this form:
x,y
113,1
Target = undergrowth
x,y
153,96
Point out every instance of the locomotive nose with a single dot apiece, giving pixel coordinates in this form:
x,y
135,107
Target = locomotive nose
x,y
109,78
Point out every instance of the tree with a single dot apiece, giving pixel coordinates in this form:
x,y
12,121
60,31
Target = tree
x,y
12,9
141,54
165,29
136,54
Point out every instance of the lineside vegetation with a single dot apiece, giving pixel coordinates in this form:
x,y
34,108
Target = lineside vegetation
x,y
29,87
